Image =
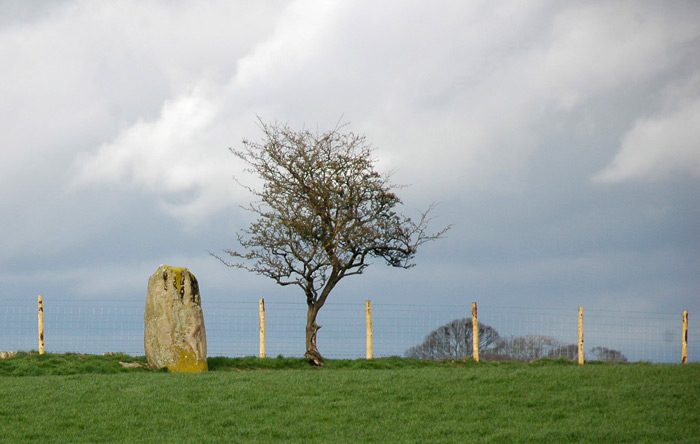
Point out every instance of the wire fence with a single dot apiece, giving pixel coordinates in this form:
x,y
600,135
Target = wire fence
x,y
232,327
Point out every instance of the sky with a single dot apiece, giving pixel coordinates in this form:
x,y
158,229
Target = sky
x,y
561,140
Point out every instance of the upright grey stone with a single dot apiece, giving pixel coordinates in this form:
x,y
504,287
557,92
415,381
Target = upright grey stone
x,y
174,334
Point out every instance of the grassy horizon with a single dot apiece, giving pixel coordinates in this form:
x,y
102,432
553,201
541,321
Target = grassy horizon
x,y
389,400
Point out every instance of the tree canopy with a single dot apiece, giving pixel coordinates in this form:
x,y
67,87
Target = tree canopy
x,y
453,341
322,213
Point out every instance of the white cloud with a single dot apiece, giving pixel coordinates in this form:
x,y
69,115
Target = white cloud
x,y
154,153
298,34
454,96
449,101
173,156
661,146
598,46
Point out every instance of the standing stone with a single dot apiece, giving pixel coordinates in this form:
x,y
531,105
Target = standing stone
x,y
174,335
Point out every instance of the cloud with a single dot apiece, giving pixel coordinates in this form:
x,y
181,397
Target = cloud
x,y
451,103
172,157
116,117
595,47
146,79
660,147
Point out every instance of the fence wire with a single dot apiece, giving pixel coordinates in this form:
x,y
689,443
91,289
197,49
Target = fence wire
x,y
232,327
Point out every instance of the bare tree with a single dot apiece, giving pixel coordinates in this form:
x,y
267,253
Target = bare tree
x,y
567,352
454,340
323,212
529,347
607,354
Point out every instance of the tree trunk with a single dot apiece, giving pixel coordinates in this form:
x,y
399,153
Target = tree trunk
x,y
312,353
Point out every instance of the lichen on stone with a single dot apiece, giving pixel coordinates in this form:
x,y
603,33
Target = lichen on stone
x,y
187,361
179,278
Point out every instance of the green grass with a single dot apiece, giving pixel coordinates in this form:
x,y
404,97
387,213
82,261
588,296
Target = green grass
x,y
391,400
34,364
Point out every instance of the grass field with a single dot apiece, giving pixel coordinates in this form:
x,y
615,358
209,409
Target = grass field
x,y
92,399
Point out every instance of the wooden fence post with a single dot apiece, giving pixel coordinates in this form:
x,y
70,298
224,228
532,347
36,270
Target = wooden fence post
x,y
262,328
475,333
684,348
368,324
580,335
41,325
